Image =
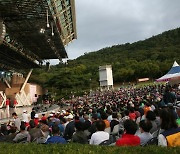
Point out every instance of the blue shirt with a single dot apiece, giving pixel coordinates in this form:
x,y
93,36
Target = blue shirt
x,y
61,128
56,139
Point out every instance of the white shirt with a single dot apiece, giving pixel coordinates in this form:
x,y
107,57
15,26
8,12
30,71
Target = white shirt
x,y
65,124
152,108
98,137
17,123
138,120
162,140
125,118
110,118
25,117
145,137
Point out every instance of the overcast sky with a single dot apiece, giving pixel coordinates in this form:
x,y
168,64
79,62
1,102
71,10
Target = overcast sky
x,y
103,23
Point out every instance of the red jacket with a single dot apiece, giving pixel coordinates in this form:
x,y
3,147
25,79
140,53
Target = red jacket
x,y
15,102
36,121
43,118
128,140
7,102
132,116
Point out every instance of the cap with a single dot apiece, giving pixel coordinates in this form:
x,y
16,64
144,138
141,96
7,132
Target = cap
x,y
53,112
36,116
70,116
50,115
63,111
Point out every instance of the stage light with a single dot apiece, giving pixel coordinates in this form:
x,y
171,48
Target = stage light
x,y
42,30
52,29
47,20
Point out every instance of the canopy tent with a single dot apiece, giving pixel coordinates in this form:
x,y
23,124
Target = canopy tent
x,y
173,73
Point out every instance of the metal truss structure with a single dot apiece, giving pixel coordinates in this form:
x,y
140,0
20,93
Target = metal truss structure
x,y
35,30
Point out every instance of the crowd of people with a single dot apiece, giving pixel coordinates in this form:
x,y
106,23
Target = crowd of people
x,y
127,117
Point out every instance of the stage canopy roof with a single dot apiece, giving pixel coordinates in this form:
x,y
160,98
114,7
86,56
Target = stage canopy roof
x,y
173,73
32,31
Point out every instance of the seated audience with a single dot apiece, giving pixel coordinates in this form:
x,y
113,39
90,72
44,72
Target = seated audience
x,y
145,127
104,117
100,135
69,130
151,116
178,113
115,121
23,135
79,136
55,138
12,134
128,138
34,131
132,115
44,134
171,135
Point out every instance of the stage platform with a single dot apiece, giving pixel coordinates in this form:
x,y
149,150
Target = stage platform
x,y
6,115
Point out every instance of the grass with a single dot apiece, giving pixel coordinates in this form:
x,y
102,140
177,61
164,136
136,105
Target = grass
x,y
7,148
138,84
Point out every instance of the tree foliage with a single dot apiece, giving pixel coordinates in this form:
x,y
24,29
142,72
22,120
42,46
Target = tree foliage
x,y
151,58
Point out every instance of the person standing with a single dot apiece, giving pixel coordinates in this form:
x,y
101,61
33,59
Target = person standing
x,y
33,112
17,121
36,119
15,103
7,103
25,116
169,96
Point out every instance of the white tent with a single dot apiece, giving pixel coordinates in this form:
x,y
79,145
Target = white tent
x,y
173,73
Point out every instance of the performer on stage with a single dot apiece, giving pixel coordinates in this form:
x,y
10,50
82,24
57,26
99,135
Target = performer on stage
x,y
15,103
7,103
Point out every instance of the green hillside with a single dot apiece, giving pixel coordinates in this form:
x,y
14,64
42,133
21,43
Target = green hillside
x,y
149,58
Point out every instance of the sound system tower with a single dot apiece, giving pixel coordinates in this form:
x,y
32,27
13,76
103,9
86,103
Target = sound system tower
x,y
105,77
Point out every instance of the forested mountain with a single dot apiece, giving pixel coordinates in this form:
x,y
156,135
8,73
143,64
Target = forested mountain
x,y
149,58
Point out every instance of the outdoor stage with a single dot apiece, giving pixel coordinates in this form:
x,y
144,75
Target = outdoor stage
x,y
6,115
